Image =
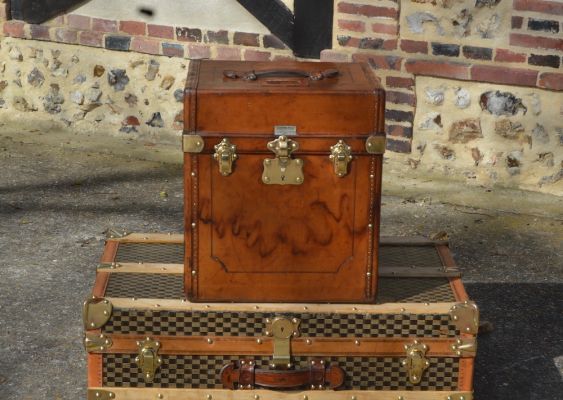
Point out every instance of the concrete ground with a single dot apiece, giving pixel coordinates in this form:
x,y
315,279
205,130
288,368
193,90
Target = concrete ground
x,y
56,202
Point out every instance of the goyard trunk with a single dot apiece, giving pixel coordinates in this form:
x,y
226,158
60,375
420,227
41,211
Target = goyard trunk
x,y
145,341
282,181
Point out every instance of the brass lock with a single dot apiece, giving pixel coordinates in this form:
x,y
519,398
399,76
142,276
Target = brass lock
x,y
282,329
341,155
283,170
148,359
416,362
225,155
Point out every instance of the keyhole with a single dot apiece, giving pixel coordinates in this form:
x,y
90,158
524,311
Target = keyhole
x,y
282,329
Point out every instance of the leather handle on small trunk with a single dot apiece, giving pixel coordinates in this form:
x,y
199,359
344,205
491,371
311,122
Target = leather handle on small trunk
x,y
245,375
255,75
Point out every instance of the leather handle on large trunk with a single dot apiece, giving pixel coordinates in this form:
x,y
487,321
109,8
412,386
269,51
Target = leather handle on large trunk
x,y
245,375
255,75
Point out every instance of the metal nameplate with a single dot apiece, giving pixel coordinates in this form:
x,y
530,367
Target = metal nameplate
x,y
285,130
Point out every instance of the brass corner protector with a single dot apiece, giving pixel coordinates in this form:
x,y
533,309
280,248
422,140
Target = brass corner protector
x,y
465,347
415,362
96,312
465,317
100,394
459,396
375,144
192,143
113,233
94,342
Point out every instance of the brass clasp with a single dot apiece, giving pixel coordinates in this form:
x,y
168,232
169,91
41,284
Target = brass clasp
x,y
148,359
225,155
416,362
282,329
341,155
283,170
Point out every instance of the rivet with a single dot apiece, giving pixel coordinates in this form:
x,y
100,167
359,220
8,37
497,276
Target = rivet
x,y
111,395
209,340
353,398
468,329
289,365
455,318
160,396
400,398
305,397
354,308
322,362
134,298
242,362
256,397
368,273
357,342
308,341
313,362
157,305
268,320
266,179
370,226
184,300
92,324
193,225
372,176
449,398
426,304
295,320
259,341
256,307
193,272
267,333
305,308
146,238
163,268
208,397
461,397
298,179
403,310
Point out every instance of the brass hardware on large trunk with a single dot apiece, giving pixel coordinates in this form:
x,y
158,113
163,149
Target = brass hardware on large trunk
x,y
96,311
416,362
341,155
465,347
225,155
148,359
282,329
113,233
192,143
94,342
100,394
283,170
375,144
465,317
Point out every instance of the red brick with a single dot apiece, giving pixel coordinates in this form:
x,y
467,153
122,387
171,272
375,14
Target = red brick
x,y
145,45
91,38
504,75
347,25
398,131
368,10
161,31
551,80
104,25
399,82
14,29
246,39
414,46
390,44
400,98
283,58
334,55
379,62
172,50
443,69
399,146
385,28
255,55
519,39
516,22
228,53
549,7
65,35
504,55
78,21
198,51
133,27
39,32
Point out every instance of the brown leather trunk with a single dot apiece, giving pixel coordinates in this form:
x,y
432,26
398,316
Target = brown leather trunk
x,y
282,181
417,342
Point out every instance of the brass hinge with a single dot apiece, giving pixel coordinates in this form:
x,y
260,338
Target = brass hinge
x,y
96,312
106,266
416,362
282,330
192,143
465,317
148,359
465,347
113,233
375,144
96,342
99,394
460,396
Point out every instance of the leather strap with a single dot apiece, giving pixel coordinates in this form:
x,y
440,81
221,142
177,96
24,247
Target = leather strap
x,y
255,75
244,375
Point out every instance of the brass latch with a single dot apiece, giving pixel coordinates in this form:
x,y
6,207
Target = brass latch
x,y
148,359
283,170
416,362
465,317
465,347
282,330
341,155
96,311
96,342
100,394
225,155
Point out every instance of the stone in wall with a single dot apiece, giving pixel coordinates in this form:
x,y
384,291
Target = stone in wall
x,y
53,100
539,134
514,162
501,103
488,28
486,3
462,23
35,78
15,54
131,99
99,70
156,121
118,79
167,82
179,95
465,130
417,20
431,121
462,98
508,129
445,152
546,159
434,96
152,70
476,155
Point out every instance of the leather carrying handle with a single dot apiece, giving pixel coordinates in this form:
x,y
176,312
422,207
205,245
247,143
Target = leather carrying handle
x,y
245,375
255,75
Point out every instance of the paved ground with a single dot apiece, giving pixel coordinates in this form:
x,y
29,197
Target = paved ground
x,y
55,205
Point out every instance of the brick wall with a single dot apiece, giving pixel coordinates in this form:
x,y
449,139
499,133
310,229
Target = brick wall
x,y
525,51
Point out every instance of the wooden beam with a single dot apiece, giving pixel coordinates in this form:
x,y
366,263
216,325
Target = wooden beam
x,y
275,15
313,27
38,11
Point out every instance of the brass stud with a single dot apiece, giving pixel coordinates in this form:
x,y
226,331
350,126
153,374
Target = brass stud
x,y
256,397
354,308
305,308
372,176
308,341
305,397
266,179
353,398
209,340
400,398
426,304
259,341
298,179
295,320
256,307
208,397
370,226
368,274
160,396
193,225
403,309
357,342
289,365
157,305
193,272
